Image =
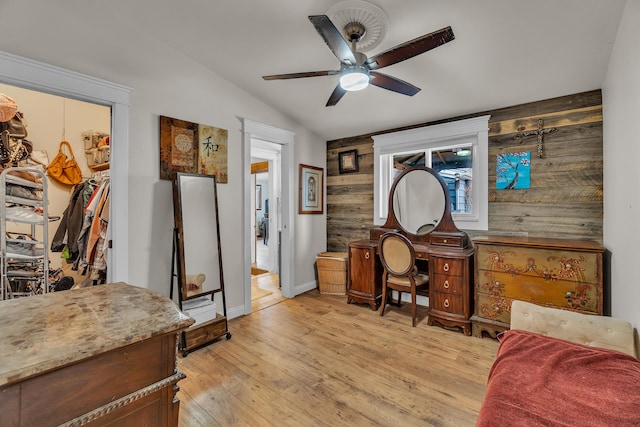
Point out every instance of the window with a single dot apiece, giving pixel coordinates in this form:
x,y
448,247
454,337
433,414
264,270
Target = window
x,y
457,150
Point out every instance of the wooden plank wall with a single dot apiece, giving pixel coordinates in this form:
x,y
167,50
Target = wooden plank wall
x,y
565,198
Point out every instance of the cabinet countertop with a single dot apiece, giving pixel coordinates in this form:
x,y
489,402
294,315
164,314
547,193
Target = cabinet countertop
x,y
45,332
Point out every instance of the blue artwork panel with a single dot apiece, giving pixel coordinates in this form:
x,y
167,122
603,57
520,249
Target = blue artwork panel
x,y
513,171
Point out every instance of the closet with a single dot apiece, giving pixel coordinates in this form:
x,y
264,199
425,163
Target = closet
x,y
51,119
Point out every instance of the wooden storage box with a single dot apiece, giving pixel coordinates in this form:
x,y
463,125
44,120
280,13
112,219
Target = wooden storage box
x,y
332,272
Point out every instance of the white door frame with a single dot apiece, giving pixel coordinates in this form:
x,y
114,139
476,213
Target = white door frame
x,y
254,130
29,74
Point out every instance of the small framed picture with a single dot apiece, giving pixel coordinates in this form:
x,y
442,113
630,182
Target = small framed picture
x,y
311,190
348,161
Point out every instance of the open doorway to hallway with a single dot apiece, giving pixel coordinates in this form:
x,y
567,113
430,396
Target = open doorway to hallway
x,y
265,251
262,141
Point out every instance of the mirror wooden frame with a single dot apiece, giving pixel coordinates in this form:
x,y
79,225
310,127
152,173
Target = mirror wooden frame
x,y
202,210
445,233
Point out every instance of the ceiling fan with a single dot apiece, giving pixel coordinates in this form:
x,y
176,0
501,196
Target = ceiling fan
x,y
356,70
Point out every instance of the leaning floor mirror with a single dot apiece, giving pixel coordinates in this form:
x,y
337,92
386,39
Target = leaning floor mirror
x,y
198,258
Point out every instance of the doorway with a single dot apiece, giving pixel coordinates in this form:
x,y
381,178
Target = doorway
x,y
265,266
266,143
29,74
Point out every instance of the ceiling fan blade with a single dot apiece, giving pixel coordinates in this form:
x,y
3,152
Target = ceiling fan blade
x,y
411,48
336,95
333,38
301,75
392,83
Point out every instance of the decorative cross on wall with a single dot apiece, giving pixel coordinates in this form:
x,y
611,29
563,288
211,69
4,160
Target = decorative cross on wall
x,y
540,132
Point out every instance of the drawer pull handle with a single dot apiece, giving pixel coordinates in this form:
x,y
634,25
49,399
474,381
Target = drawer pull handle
x,y
446,284
366,255
445,267
446,303
445,240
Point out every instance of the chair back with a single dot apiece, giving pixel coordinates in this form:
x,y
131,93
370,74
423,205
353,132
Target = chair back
x,y
396,253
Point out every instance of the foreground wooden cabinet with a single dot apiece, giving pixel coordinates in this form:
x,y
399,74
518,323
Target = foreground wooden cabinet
x,y
104,355
562,273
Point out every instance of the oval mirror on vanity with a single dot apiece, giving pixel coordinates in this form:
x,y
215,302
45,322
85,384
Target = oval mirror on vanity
x,y
418,201
420,208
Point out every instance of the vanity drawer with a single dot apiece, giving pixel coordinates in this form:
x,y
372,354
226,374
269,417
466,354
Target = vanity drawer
x,y
446,284
446,302
453,241
448,266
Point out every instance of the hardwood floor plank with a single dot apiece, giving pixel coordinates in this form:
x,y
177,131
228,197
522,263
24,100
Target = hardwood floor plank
x,y
314,360
270,404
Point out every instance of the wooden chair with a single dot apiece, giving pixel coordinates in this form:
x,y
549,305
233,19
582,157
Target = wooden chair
x,y
400,272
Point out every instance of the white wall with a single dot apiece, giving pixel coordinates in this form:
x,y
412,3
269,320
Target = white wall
x,y
86,37
621,108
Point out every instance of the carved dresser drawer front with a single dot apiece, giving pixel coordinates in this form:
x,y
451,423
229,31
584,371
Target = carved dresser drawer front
x,y
446,302
113,375
549,277
448,266
560,273
446,284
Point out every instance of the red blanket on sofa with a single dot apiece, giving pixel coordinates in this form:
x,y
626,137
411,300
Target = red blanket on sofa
x,y
542,381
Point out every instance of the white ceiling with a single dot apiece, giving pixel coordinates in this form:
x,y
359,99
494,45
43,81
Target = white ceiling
x,y
505,52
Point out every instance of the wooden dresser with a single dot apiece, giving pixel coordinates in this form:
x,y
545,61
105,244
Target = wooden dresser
x,y
560,273
104,355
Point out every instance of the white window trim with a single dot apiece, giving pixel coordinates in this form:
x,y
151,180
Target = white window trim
x,y
474,131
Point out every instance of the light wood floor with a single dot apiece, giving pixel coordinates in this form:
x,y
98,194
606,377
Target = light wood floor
x,y
316,361
268,282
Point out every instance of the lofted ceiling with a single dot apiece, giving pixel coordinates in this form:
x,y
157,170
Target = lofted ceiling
x,y
505,52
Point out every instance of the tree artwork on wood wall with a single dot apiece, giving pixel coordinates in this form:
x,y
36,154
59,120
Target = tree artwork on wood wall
x,y
513,171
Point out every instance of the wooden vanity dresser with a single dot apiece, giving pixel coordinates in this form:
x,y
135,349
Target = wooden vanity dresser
x,y
442,251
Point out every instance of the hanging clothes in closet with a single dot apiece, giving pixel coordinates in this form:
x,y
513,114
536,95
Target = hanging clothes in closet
x,y
82,234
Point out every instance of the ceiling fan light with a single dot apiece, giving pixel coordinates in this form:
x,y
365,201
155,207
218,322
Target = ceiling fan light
x,y
354,80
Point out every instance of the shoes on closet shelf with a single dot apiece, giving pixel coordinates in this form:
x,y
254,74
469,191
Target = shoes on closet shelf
x,y
24,249
21,213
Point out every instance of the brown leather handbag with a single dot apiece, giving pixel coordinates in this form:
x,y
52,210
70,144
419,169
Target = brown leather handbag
x,y
65,169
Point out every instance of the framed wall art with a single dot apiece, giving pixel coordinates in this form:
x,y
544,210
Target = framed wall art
x,y
311,190
513,171
348,161
192,148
